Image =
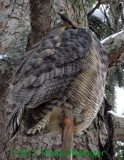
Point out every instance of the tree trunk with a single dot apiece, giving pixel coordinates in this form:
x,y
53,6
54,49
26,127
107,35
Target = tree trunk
x,y
99,136
118,128
44,17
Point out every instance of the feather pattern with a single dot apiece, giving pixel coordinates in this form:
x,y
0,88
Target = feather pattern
x,y
44,78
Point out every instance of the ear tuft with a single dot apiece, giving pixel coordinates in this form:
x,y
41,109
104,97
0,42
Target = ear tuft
x,y
67,22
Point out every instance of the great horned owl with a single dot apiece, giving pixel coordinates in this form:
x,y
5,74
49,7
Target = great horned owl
x,y
68,66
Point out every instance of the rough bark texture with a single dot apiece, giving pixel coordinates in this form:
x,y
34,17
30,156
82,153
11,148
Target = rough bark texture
x,y
98,137
40,20
114,46
14,25
119,128
44,17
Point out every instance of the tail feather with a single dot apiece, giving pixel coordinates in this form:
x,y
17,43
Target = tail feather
x,y
15,121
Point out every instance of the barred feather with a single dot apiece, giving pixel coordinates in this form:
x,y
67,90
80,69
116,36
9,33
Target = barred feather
x,y
69,65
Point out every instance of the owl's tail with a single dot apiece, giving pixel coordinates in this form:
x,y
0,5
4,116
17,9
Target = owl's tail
x,y
15,121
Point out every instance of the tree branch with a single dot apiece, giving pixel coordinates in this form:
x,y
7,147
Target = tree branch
x,y
91,11
108,1
114,46
118,128
118,123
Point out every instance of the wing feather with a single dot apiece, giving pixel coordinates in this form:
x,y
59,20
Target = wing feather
x,y
48,73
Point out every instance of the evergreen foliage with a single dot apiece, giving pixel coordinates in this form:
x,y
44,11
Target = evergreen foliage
x,y
119,151
113,22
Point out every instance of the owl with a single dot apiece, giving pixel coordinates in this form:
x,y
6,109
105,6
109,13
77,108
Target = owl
x,y
68,66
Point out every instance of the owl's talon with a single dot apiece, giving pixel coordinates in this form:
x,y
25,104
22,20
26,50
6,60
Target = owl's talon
x,y
37,128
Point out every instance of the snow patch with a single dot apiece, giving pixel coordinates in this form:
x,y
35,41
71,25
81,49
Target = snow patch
x,y
112,36
116,114
2,56
97,13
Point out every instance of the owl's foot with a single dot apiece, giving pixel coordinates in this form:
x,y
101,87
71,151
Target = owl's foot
x,y
38,127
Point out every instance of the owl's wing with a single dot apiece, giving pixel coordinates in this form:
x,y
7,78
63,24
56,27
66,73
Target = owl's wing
x,y
47,74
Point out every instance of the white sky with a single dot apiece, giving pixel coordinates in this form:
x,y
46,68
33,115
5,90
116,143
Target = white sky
x,y
120,100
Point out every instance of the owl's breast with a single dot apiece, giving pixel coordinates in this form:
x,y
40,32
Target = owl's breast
x,y
87,91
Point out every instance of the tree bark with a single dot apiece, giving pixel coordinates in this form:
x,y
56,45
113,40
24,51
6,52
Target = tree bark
x,y
118,128
114,46
99,136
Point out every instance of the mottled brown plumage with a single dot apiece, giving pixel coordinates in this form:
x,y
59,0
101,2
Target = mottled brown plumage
x,y
69,65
